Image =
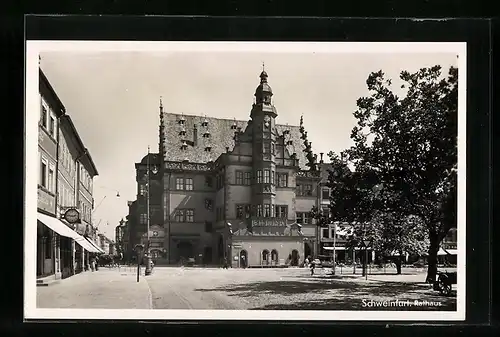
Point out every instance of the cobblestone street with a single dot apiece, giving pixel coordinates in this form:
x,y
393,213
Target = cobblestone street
x,y
240,289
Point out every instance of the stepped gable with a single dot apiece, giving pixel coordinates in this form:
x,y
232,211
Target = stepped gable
x,y
221,136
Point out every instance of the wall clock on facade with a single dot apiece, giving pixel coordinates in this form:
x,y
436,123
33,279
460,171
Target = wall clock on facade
x,y
155,233
72,215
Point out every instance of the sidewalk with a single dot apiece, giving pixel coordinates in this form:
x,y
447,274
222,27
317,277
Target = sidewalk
x,y
103,289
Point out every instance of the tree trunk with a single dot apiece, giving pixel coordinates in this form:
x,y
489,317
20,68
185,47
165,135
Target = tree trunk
x,y
432,259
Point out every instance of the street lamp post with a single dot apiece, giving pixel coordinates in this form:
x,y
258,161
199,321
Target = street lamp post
x,y
147,251
227,244
139,248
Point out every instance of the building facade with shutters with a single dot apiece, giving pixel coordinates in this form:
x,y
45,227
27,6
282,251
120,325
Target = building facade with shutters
x,y
227,189
62,249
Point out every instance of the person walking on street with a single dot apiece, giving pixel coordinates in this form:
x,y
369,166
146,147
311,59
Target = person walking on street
x,y
92,263
312,266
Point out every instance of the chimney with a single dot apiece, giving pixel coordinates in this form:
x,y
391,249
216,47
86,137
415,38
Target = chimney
x,y
321,157
195,135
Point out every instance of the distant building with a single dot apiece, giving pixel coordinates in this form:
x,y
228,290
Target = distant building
x,y
230,189
131,237
120,233
112,248
105,243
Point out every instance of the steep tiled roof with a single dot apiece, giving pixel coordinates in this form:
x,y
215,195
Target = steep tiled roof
x,y
221,136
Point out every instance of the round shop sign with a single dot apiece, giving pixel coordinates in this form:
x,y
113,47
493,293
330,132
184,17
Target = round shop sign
x,y
72,215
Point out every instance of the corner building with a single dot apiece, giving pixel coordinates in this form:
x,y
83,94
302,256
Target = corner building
x,y
230,189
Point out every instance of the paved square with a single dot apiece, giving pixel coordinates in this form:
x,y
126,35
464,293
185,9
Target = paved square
x,y
292,289
245,289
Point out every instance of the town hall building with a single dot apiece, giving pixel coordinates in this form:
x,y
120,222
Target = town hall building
x,y
227,189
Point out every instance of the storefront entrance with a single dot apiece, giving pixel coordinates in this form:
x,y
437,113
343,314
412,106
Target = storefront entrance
x,y
243,259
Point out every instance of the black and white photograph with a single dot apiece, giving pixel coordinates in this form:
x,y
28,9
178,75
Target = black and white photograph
x,y
245,180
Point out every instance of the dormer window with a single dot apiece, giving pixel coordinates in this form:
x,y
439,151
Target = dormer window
x,y
182,120
208,148
286,132
206,134
234,126
182,132
205,122
184,145
289,142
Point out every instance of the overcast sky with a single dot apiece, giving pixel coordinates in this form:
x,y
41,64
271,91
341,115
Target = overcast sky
x,y
113,99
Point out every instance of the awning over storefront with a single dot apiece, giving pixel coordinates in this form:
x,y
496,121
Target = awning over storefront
x,y
441,251
87,246
99,250
59,227
336,248
451,251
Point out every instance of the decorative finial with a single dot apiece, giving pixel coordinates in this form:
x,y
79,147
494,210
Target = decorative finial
x,y
161,103
263,67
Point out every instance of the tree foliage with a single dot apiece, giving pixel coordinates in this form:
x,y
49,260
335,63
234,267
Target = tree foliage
x,y
405,160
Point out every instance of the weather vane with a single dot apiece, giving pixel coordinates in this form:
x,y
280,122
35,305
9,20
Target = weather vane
x,y
263,67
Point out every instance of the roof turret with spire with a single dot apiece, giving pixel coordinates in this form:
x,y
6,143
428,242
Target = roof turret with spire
x,y
263,92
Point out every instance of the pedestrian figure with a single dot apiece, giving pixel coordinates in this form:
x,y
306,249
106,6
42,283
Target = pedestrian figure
x,y
96,262
312,266
225,266
92,263
306,262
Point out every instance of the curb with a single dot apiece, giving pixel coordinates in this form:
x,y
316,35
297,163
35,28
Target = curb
x,y
150,295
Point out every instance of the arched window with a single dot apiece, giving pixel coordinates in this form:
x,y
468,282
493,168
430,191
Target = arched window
x,y
265,257
274,256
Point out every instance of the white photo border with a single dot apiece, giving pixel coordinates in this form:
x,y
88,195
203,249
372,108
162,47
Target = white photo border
x,y
35,48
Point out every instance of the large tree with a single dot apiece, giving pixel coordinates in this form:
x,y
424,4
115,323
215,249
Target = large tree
x,y
408,145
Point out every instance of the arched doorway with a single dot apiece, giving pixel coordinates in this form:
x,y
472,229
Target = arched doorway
x,y
265,257
295,258
207,255
220,248
307,250
274,257
243,259
185,249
